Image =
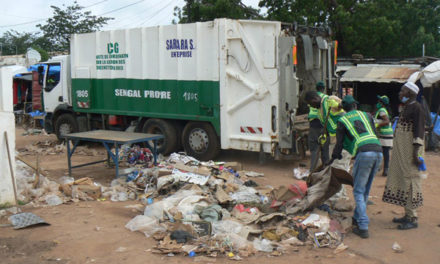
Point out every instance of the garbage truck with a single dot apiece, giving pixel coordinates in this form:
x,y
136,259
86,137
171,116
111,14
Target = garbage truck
x,y
206,86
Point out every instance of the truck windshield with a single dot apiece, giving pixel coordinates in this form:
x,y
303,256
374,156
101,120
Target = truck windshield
x,y
53,76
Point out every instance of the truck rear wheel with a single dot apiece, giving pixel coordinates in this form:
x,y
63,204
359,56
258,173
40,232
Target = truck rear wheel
x,y
200,141
166,128
65,124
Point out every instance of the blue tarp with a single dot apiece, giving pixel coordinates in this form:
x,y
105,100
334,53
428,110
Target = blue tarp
x,y
437,123
54,69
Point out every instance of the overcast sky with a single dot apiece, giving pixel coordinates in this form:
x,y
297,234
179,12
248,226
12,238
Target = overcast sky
x,y
23,15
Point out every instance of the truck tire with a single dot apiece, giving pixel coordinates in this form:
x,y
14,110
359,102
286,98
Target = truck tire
x,y
166,128
200,141
179,130
65,124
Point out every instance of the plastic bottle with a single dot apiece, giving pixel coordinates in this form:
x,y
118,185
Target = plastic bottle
x,y
422,168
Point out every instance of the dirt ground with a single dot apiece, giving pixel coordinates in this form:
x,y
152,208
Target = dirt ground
x,y
94,232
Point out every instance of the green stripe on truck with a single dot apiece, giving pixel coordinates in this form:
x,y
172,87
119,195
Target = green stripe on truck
x,y
169,99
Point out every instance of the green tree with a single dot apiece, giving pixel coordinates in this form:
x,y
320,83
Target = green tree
x,y
65,22
378,28
14,42
206,10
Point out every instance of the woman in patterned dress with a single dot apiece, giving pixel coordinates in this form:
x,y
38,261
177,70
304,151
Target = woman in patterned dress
x,y
403,185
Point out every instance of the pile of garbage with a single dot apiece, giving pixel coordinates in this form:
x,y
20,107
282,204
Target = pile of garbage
x,y
40,191
211,208
218,209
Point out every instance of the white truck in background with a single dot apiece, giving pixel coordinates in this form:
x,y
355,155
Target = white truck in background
x,y
223,84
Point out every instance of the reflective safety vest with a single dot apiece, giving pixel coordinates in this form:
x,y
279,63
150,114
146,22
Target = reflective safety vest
x,y
385,130
313,112
366,136
332,122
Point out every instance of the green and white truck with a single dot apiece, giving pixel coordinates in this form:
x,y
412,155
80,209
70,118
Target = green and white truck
x,y
223,84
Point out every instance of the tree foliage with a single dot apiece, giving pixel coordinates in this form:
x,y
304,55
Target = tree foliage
x,y
67,21
378,28
14,42
206,10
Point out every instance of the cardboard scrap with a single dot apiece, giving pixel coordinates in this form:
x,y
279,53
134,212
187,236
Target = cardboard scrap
x,y
83,181
224,175
222,196
167,245
83,189
83,192
268,217
246,217
197,170
340,248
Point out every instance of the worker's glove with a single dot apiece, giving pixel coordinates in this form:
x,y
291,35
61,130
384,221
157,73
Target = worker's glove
x,y
322,139
416,159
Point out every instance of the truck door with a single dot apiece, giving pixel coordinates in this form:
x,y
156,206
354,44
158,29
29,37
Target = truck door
x,y
289,89
52,92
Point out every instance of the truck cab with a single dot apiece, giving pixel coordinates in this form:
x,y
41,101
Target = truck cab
x,y
55,80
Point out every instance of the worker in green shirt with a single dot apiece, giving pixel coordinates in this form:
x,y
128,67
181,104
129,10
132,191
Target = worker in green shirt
x,y
384,130
315,130
357,135
329,112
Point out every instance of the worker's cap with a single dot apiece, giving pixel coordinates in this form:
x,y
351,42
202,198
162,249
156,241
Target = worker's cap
x,y
384,99
320,84
348,100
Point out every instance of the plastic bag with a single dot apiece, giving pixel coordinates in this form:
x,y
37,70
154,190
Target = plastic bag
x,y
245,195
186,206
235,241
226,226
262,245
183,199
145,224
320,221
155,210
119,197
53,200
66,180
300,173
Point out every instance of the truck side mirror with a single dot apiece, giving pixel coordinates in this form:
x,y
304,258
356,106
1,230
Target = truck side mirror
x,y
40,75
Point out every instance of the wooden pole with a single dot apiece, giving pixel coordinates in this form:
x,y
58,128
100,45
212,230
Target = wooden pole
x,y
11,168
31,165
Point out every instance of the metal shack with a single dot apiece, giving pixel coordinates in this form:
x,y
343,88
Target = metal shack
x,y
366,81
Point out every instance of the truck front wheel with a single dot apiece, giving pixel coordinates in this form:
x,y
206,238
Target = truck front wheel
x,y
166,128
200,141
65,124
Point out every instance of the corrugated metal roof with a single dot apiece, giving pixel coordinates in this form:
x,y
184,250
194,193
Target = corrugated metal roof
x,y
379,73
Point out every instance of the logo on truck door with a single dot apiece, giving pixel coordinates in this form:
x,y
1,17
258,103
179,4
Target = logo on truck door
x,y
113,60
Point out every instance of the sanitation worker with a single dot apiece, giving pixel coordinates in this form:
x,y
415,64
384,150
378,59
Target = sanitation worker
x,y
403,185
315,130
329,112
357,135
384,130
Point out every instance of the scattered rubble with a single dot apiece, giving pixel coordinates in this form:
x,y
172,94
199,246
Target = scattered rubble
x,y
209,209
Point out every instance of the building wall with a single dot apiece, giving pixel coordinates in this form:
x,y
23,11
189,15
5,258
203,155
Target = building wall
x,y
7,126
